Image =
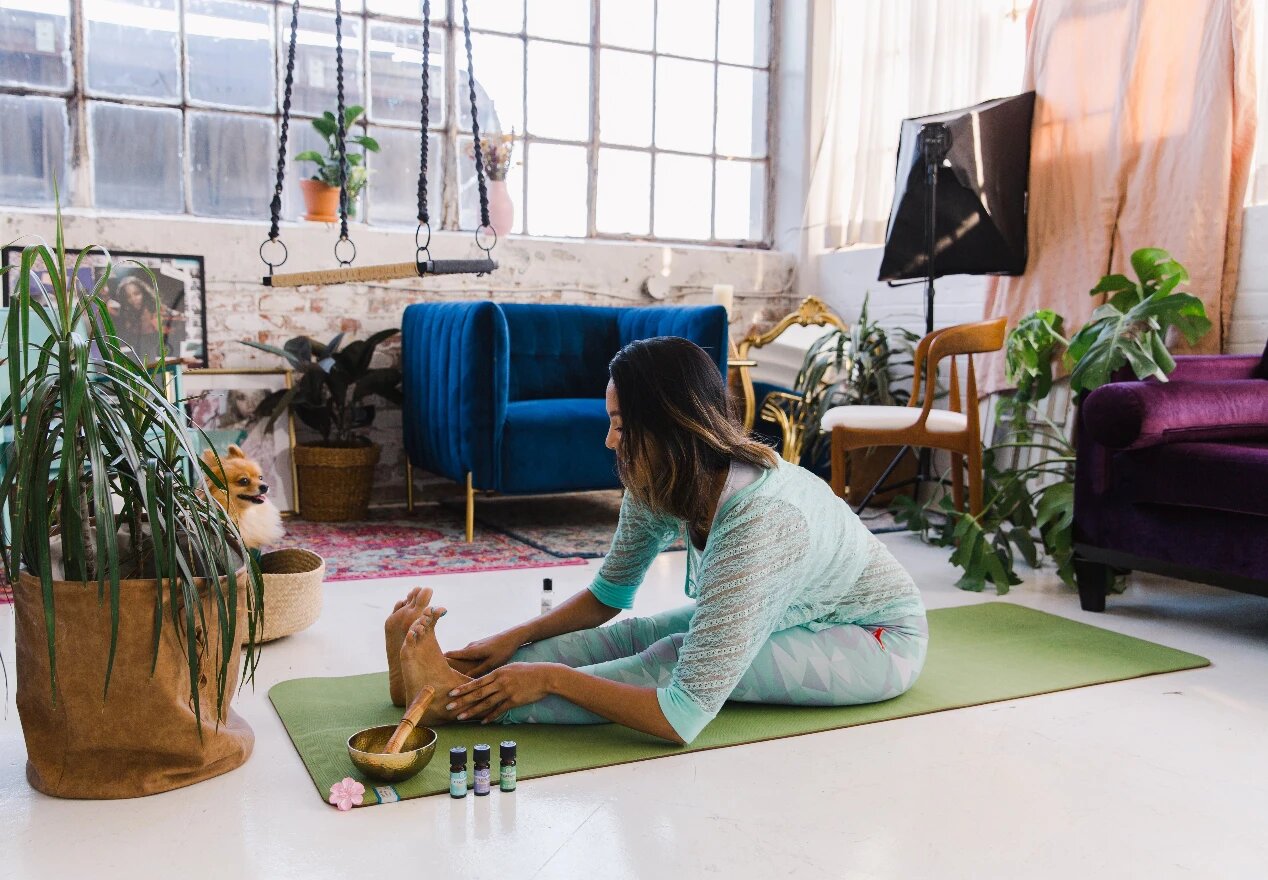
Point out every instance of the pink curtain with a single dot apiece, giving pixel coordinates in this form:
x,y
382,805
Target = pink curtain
x,y
1143,136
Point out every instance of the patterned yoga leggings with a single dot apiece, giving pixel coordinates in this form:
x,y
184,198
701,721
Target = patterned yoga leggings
x,y
839,666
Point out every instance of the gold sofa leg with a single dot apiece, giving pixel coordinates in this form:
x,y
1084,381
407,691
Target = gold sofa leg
x,y
470,510
409,485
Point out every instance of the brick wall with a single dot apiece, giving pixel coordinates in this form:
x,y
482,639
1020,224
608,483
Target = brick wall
x,y
531,270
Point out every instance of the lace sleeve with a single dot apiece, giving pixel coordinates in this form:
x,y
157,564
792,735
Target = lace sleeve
x,y
747,580
641,534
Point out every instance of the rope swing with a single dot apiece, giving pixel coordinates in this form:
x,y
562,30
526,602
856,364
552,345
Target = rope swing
x,y
422,264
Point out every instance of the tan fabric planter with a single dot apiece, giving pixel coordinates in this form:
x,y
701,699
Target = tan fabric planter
x,y
335,482
143,738
292,591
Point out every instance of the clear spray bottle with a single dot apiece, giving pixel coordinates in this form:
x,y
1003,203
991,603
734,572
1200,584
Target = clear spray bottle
x,y
548,595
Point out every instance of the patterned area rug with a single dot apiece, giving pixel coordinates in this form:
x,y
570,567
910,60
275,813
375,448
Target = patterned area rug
x,y
392,543
580,525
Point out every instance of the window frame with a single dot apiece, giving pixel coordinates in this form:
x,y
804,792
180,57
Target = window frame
x,y
447,19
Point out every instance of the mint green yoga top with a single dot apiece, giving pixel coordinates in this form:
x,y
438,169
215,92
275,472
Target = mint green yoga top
x,y
783,551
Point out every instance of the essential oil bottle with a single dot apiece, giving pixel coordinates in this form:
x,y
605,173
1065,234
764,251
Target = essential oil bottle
x,y
507,767
548,595
481,758
458,772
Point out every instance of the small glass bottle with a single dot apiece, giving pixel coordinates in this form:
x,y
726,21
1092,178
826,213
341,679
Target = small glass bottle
x,y
481,758
548,595
507,768
458,772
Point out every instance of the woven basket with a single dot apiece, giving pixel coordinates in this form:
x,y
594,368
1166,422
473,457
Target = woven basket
x,y
335,482
292,591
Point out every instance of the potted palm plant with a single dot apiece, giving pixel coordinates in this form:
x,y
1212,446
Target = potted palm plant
x,y
321,191
130,587
865,365
336,475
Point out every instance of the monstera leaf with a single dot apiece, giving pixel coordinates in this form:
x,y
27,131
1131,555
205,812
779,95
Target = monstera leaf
x,y
1029,351
1131,328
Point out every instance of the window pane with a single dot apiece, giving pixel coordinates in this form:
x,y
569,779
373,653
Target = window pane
x,y
627,23
348,5
314,90
557,177
133,51
230,159
469,191
558,91
393,187
118,136
684,105
229,53
396,60
33,150
35,44
624,192
499,64
686,27
683,195
744,28
741,199
560,19
625,98
490,15
741,112
302,137
412,9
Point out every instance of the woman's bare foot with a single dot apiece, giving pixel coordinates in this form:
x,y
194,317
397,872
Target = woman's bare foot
x,y
423,663
395,627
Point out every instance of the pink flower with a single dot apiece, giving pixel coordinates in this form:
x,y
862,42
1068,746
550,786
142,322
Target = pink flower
x,y
347,794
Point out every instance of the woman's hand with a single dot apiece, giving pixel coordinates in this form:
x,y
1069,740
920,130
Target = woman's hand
x,y
516,684
484,655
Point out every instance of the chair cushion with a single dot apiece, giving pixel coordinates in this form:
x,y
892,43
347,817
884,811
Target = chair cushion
x,y
1231,477
557,446
1134,415
893,418
560,351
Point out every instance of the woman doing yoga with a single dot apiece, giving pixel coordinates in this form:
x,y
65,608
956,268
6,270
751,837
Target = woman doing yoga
x,y
794,601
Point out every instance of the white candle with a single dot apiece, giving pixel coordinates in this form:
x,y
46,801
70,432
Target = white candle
x,y
724,295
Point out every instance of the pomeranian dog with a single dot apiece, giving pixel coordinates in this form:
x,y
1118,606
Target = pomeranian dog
x,y
246,500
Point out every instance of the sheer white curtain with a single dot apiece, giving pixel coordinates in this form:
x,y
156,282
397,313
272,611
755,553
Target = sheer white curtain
x,y
888,60
1257,191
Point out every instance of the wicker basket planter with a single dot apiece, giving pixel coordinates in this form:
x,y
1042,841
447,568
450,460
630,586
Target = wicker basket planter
x,y
335,482
292,591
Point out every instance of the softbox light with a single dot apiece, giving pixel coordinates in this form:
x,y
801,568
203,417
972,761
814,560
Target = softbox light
x,y
975,163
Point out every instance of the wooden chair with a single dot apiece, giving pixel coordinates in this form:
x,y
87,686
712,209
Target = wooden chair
x,y
918,424
779,407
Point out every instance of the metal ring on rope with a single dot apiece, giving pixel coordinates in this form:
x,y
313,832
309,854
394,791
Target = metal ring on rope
x,y
347,262
489,247
273,265
424,247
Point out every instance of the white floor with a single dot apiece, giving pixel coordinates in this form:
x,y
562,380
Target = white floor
x,y
1152,778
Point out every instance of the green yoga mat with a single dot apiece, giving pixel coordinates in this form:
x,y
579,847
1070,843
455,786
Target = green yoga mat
x,y
977,654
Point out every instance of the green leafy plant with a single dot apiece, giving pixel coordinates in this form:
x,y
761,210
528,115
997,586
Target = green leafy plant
x,y
327,126
864,365
103,460
1028,509
333,383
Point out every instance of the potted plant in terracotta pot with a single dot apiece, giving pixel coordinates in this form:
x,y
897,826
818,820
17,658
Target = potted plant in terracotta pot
x,y
131,590
336,475
496,151
321,191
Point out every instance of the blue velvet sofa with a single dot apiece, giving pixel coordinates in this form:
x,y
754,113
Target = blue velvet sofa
x,y
1172,477
509,398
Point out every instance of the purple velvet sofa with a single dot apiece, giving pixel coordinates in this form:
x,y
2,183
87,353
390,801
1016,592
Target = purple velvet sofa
x,y
1172,477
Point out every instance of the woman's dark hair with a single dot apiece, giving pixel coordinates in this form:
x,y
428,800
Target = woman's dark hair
x,y
677,430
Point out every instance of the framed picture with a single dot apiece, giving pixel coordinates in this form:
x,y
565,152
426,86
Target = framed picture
x,y
181,322
223,404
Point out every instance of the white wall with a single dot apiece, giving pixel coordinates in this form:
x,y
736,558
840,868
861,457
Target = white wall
x,y
842,278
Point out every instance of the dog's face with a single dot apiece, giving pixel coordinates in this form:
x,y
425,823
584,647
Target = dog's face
x,y
244,481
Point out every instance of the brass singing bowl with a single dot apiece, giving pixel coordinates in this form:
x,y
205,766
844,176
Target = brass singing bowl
x,y
365,748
